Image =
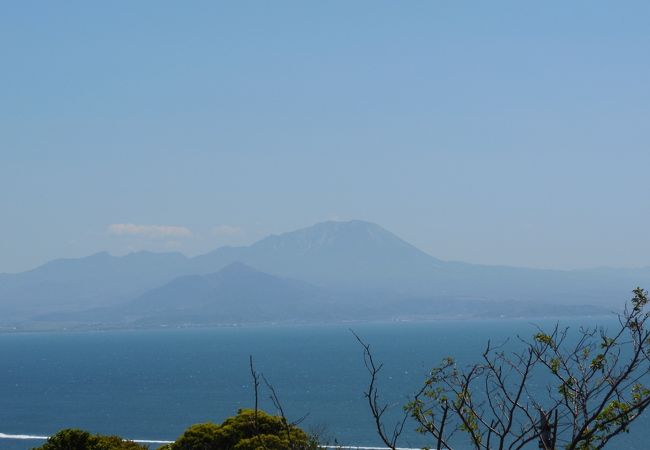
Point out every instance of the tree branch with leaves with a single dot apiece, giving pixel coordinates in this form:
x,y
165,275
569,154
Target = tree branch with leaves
x,y
594,389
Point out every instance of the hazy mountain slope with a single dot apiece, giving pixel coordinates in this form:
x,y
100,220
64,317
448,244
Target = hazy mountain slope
x,y
239,294
99,279
235,294
599,287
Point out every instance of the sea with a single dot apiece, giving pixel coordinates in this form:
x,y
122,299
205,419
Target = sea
x,y
153,384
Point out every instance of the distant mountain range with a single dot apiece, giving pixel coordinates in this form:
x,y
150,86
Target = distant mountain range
x,y
332,271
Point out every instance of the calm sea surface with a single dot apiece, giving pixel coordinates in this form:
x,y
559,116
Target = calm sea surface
x,y
154,384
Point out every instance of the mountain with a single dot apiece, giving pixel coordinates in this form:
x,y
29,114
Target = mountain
x,y
347,255
362,257
361,267
235,294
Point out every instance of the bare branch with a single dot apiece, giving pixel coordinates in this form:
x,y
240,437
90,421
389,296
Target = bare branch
x,y
372,394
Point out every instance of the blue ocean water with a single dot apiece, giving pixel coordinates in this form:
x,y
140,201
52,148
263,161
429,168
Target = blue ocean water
x,y
152,384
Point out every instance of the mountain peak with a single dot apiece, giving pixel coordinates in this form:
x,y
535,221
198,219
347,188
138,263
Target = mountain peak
x,y
332,253
348,226
333,234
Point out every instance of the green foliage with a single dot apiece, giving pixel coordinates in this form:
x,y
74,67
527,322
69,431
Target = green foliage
x,y
247,430
544,338
204,436
640,299
598,363
554,365
73,439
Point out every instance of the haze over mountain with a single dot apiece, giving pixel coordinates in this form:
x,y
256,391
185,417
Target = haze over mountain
x,y
357,269
235,294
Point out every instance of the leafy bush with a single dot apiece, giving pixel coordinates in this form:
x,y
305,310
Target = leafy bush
x,y
248,430
73,439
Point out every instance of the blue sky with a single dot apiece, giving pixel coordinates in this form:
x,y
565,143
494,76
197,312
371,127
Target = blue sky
x,y
492,132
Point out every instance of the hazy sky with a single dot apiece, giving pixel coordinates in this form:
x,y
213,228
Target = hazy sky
x,y
492,132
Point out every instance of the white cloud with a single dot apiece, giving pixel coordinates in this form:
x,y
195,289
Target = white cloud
x,y
149,231
227,230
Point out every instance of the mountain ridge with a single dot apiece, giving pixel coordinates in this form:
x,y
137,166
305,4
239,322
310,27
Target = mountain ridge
x,y
358,261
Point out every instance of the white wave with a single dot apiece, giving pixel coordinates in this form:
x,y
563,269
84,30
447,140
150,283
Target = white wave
x,y
43,438
22,436
155,441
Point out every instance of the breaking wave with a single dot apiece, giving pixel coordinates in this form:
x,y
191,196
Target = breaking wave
x,y
155,441
43,438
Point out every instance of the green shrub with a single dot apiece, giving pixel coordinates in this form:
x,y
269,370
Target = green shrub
x,y
245,431
73,439
202,436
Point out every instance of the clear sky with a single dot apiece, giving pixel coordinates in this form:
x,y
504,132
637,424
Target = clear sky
x,y
491,132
